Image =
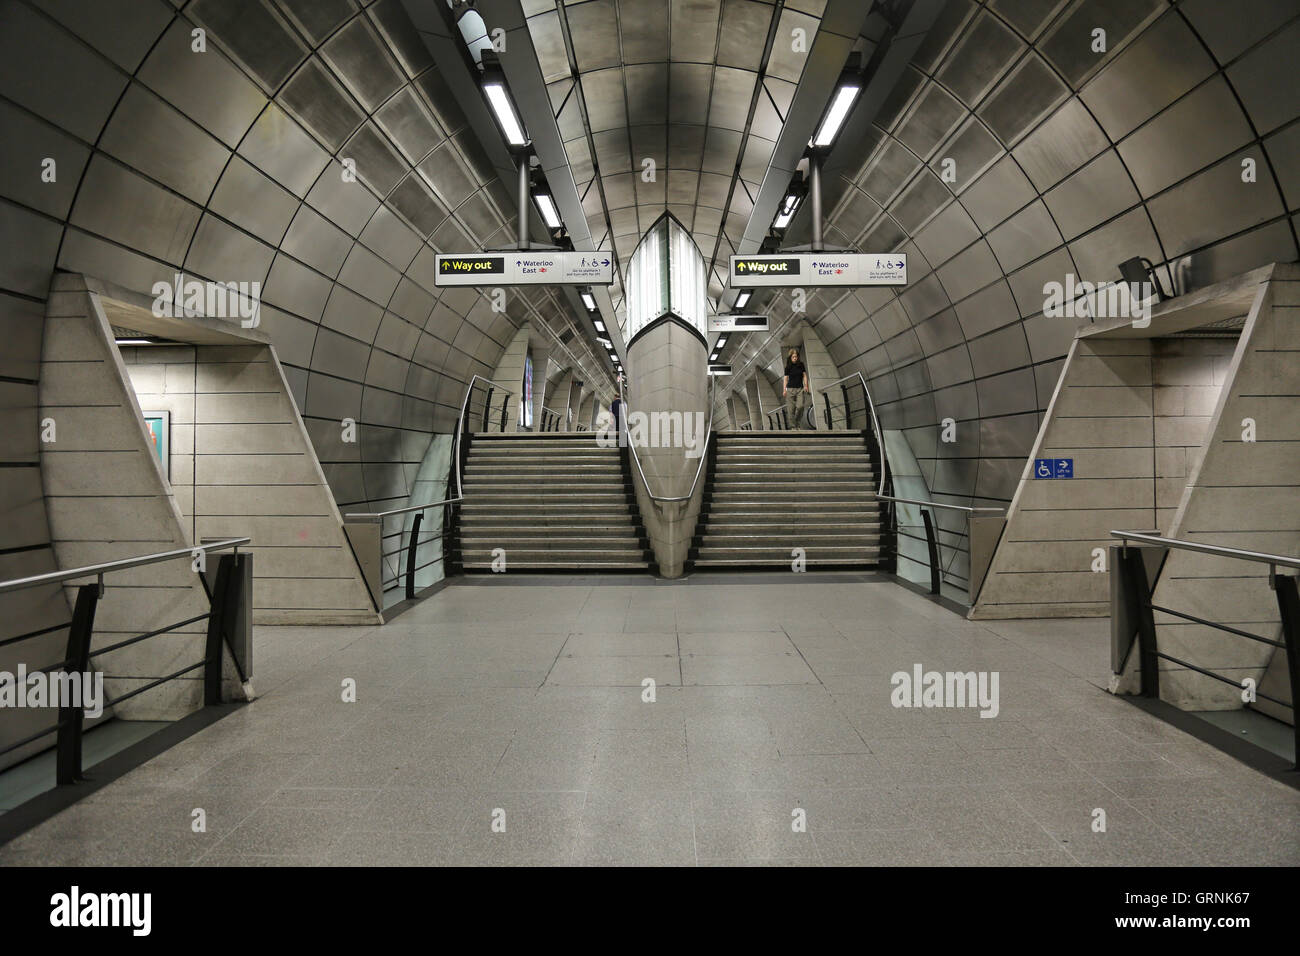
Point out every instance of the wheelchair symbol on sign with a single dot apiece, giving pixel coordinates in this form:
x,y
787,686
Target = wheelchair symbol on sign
x,y
1044,470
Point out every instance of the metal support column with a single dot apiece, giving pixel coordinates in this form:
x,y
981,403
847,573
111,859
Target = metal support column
x,y
815,195
522,227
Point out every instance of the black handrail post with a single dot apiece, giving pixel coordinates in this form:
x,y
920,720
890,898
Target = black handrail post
x,y
1134,580
504,400
848,415
1288,605
487,407
77,661
227,597
830,421
411,551
934,550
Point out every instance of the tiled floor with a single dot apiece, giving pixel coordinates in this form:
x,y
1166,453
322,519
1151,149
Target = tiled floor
x,y
524,705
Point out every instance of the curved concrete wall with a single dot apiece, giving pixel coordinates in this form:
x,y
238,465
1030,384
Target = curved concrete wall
x,y
228,163
1066,161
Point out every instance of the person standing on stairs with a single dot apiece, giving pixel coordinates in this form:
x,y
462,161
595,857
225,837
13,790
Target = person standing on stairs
x,y
794,389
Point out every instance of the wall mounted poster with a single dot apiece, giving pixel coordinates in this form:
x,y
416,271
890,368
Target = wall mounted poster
x,y
159,427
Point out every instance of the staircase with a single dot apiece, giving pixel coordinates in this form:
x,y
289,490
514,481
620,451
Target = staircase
x,y
553,502
771,492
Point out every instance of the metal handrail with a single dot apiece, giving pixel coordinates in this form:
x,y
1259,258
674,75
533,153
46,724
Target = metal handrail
x,y
875,426
225,592
373,516
1260,557
704,452
108,567
1136,592
460,422
940,504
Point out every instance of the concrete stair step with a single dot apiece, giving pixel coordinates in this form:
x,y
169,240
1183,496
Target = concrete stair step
x,y
801,484
517,564
722,476
560,557
551,511
842,509
783,561
566,484
487,527
550,475
822,553
836,525
485,462
538,496
806,540
476,540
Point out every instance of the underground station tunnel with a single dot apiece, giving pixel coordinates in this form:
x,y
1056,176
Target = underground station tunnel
x,y
652,433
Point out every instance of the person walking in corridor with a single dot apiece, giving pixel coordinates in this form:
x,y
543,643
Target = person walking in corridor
x,y
794,389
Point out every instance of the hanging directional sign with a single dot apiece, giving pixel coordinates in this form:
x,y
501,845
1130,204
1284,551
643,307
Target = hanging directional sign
x,y
525,268
819,269
737,322
719,368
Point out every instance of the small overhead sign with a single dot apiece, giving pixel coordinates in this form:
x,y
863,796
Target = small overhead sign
x,y
718,368
525,268
819,269
737,322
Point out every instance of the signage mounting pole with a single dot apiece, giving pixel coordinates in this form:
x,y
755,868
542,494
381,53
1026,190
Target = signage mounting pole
x,y
815,195
521,231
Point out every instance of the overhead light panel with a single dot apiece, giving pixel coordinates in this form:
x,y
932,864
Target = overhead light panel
x,y
789,206
498,96
589,301
742,300
600,326
550,215
721,342
845,96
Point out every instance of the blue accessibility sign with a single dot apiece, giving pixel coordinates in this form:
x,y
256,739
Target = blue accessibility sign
x,y
1053,467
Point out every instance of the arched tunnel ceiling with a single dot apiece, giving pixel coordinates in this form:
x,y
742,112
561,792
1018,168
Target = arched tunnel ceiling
x,y
228,163
694,88
1067,162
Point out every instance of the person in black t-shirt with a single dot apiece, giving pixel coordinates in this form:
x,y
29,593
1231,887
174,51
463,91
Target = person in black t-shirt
x,y
794,389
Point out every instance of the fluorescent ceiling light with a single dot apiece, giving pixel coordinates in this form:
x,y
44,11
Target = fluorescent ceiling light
x,y
600,326
505,112
606,342
837,114
742,300
550,215
589,301
721,342
788,206
713,357
134,341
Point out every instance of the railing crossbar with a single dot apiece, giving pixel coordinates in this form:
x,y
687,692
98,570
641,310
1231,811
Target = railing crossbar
x,y
148,634
1217,626
152,684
